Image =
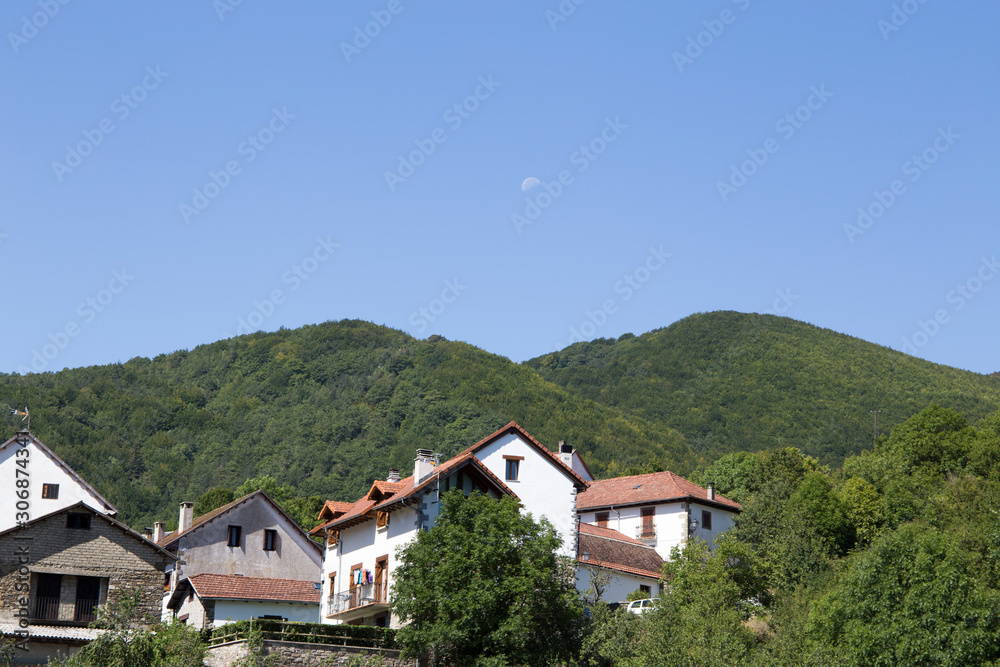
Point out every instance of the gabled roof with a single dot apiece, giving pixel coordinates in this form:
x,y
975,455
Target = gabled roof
x,y
657,487
168,539
516,429
83,507
405,489
236,587
111,509
612,550
332,509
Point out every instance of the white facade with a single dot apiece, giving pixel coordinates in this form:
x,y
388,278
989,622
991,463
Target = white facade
x,y
230,611
543,485
670,523
35,469
617,585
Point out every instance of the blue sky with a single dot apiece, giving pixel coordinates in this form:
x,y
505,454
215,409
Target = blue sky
x,y
175,173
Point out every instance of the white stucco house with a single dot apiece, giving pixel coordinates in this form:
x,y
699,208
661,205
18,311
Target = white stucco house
x,y
27,464
362,538
611,565
252,546
660,509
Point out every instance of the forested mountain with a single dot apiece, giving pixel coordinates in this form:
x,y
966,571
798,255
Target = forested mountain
x,y
324,409
327,408
741,382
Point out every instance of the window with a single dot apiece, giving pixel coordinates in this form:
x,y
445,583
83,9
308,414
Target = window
x,y
235,536
645,590
270,540
513,467
50,491
78,521
706,520
48,588
648,529
333,583
602,519
381,519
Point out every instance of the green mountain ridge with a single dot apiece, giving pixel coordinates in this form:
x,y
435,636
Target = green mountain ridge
x,y
327,408
730,381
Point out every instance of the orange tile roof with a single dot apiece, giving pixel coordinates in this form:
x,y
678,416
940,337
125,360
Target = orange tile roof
x,y
514,427
610,549
644,489
234,587
332,507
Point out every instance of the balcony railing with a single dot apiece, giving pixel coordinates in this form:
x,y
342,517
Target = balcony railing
x,y
46,609
645,533
85,611
359,597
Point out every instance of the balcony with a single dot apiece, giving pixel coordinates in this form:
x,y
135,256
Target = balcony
x,y
364,600
85,611
645,533
45,609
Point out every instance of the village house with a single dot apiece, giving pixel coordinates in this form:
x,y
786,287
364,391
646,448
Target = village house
x,y
28,464
58,569
362,538
611,566
660,509
264,564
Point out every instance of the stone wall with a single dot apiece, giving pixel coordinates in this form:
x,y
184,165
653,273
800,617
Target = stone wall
x,y
296,654
107,550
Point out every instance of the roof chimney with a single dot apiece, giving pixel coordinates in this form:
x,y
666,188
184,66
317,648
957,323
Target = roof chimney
x,y
423,465
147,532
186,518
711,491
566,453
159,530
393,475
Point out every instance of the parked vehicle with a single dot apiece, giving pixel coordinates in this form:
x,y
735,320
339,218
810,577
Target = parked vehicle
x,y
641,606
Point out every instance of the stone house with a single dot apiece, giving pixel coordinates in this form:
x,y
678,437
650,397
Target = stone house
x,y
56,570
251,541
210,600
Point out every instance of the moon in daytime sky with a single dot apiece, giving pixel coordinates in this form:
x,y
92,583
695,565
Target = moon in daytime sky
x,y
529,183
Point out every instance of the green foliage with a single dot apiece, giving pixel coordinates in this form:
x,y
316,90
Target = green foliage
x,y
213,499
364,636
485,586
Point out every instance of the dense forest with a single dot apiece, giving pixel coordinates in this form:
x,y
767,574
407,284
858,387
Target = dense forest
x,y
318,412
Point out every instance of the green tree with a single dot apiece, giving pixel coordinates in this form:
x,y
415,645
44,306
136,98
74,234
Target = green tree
x,y
486,586
213,499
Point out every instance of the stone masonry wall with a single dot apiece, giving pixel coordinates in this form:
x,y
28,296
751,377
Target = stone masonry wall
x,y
105,551
295,654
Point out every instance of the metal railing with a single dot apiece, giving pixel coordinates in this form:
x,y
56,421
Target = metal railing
x,y
85,611
645,532
46,609
359,596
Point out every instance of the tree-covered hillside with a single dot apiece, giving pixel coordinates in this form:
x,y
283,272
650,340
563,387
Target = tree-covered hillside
x,y
324,409
731,381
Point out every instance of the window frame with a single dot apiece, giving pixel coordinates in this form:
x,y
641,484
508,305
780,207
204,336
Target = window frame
x,y
232,530
78,521
512,464
273,541
50,492
602,518
706,520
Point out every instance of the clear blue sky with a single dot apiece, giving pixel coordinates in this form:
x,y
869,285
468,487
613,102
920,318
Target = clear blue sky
x,y
115,114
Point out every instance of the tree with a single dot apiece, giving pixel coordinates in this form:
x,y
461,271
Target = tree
x,y
213,499
486,586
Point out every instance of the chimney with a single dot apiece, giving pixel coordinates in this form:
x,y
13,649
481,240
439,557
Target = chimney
x,y
147,532
159,530
186,518
566,453
711,491
423,465
393,475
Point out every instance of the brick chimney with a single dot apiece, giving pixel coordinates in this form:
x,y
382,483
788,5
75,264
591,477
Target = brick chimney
x,y
186,518
423,465
566,453
159,530
711,491
393,475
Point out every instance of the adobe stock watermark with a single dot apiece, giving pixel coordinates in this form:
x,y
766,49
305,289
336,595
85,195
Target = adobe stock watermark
x,y
122,106
454,116
87,311
786,126
424,315
627,287
363,35
899,17
915,167
248,149
581,158
958,298
295,276
223,7
562,12
31,25
714,28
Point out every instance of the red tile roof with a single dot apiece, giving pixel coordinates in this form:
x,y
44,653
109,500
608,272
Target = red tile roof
x,y
610,549
644,489
514,427
234,587
332,508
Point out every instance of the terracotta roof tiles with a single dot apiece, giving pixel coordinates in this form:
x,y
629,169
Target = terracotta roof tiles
x,y
234,587
644,489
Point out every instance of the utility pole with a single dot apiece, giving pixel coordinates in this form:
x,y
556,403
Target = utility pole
x,y
875,412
